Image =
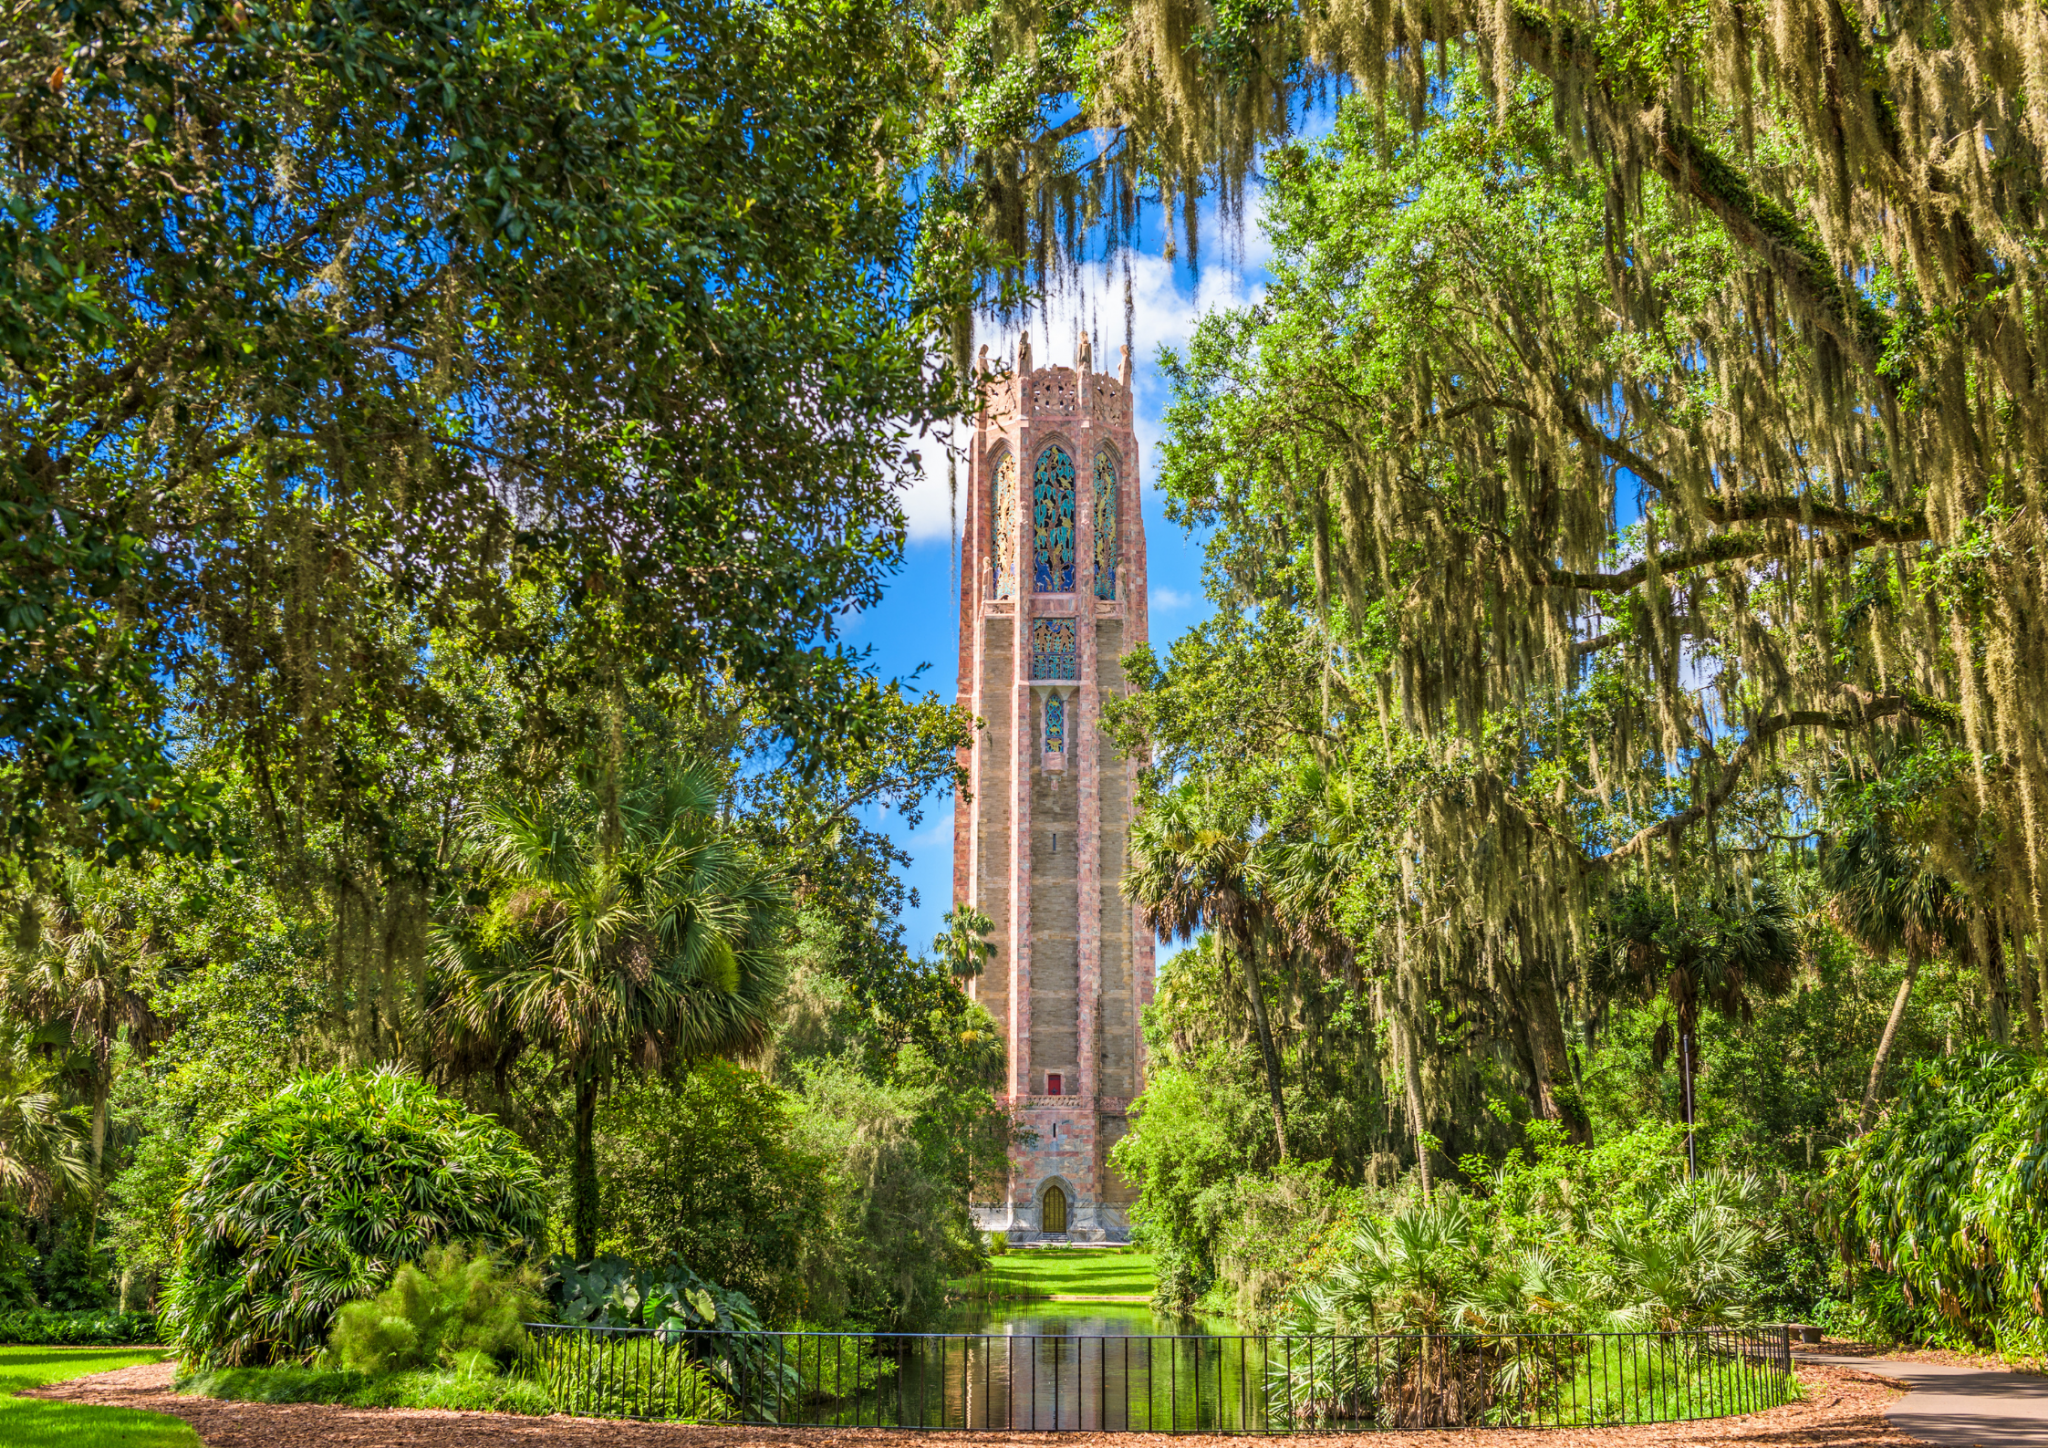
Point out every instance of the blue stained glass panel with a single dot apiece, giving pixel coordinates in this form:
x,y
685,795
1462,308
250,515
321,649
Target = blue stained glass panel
x,y
1055,725
1052,521
1053,655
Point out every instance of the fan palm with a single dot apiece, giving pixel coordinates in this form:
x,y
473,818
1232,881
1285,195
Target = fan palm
x,y
1886,898
1187,874
964,944
40,1146
1723,955
73,977
649,942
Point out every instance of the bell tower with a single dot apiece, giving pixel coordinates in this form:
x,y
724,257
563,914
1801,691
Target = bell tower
x,y
1052,595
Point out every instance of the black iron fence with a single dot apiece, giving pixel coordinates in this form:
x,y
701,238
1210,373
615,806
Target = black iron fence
x,y
1270,1383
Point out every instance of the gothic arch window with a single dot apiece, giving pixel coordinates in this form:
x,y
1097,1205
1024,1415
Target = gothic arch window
x,y
1052,521
1003,524
1106,492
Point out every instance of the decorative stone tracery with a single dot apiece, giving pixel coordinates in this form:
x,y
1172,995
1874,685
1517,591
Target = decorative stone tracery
x,y
1003,526
1106,482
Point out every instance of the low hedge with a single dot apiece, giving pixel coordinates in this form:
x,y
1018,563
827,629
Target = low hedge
x,y
43,1327
466,1392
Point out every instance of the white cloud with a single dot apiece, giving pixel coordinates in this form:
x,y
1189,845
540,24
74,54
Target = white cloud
x,y
1164,312
1162,599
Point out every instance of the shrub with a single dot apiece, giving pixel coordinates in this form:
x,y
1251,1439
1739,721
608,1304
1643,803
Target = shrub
x,y
1943,1202
313,1199
469,1392
704,1169
641,1375
43,1327
447,1305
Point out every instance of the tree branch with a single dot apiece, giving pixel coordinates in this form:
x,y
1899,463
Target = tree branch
x,y
1864,709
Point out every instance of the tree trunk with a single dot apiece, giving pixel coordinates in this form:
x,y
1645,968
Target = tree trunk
x,y
2030,992
583,1178
1411,1067
1997,988
1267,1052
102,1086
1884,1045
1547,1054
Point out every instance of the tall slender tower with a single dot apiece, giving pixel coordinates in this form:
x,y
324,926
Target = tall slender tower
x,y
1052,595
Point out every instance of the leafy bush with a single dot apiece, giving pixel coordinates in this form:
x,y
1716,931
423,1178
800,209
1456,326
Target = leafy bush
x,y
77,1329
473,1392
704,1170
1941,1209
313,1198
447,1306
612,1292
645,1375
1568,1239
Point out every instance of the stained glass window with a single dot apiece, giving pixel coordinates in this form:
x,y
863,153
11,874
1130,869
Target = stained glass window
x,y
1052,649
1055,724
1003,526
1105,524
1052,521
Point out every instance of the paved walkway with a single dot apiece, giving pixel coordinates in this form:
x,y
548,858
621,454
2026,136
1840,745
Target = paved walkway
x,y
1959,1407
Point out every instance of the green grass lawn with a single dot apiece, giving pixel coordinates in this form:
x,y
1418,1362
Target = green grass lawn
x,y
32,1423
1064,1272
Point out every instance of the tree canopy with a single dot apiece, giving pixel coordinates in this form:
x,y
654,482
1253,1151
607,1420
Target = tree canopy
x,y
333,338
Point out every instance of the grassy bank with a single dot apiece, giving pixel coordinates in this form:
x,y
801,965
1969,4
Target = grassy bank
x,y
1064,1272
32,1423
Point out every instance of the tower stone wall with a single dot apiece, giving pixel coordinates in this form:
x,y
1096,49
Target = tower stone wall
x,y
1052,595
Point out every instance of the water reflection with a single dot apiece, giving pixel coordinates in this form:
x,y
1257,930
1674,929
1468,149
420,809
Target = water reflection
x,y
1087,1367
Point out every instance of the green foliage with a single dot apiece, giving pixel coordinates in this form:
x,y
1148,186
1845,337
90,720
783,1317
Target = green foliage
x,y
194,306
901,1153
704,1169
447,1307
482,1391
1564,1241
669,1371
1941,1210
315,1197
649,1375
614,1292
607,932
77,1329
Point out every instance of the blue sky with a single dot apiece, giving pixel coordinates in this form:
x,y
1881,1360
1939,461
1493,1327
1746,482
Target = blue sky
x,y
916,621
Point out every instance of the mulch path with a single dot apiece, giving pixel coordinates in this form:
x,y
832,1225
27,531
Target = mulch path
x,y
1844,1408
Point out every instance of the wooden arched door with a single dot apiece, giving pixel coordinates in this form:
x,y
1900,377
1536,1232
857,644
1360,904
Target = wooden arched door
x,y
1054,1217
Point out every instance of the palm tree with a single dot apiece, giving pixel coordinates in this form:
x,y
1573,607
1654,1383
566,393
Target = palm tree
x,y
1187,875
73,978
1885,898
964,944
1722,954
643,942
40,1156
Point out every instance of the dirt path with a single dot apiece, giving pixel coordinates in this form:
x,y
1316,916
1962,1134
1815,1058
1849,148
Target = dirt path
x,y
1957,1403
1844,1408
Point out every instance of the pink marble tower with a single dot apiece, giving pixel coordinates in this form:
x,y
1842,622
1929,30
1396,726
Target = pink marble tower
x,y
1052,596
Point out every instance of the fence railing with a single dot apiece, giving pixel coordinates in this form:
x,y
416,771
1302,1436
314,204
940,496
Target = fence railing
x,y
1270,1383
